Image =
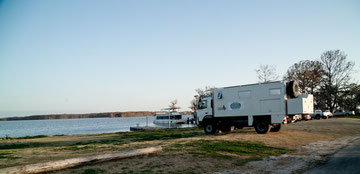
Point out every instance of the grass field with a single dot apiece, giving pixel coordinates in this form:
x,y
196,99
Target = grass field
x,y
26,150
189,149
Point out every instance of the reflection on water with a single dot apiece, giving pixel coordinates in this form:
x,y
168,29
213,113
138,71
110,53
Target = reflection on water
x,y
76,126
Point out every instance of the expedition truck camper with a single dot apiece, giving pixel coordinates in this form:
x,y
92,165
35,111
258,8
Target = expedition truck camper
x,y
264,106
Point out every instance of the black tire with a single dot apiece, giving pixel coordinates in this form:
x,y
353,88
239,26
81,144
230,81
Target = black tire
x,y
317,117
262,126
292,89
209,128
276,128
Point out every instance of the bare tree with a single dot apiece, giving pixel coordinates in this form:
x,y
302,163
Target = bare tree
x,y
194,103
307,73
337,72
173,105
205,92
266,73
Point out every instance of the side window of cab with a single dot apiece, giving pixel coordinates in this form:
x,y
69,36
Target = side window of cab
x,y
202,104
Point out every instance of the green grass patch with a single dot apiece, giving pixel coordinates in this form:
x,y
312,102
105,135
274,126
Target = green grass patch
x,y
26,137
347,116
59,135
118,139
353,116
93,171
162,134
6,155
227,149
185,171
22,145
76,148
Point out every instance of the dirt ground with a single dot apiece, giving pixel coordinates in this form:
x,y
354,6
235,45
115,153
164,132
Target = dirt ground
x,y
310,140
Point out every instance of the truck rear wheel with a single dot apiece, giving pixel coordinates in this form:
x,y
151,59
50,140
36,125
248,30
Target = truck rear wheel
x,y
317,117
276,128
209,128
262,126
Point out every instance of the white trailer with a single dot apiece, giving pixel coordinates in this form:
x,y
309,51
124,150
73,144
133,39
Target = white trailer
x,y
262,105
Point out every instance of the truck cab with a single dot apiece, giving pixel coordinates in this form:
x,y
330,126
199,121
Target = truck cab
x,y
204,108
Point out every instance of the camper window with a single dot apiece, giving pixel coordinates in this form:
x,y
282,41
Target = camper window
x,y
244,94
275,91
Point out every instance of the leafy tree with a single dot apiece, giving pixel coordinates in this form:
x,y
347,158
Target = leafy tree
x,y
307,73
348,97
266,73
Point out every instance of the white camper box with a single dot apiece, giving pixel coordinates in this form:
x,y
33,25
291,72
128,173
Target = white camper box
x,y
262,105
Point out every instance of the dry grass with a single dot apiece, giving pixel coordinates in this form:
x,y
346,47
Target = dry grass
x,y
178,160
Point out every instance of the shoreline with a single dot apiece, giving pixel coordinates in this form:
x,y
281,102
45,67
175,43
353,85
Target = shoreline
x,y
28,128
87,115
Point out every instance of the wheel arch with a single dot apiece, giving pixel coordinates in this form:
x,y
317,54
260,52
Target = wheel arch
x,y
262,117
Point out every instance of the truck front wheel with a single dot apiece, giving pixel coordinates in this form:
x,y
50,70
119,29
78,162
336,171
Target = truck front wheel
x,y
262,127
209,128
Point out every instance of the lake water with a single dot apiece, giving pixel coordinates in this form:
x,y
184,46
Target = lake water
x,y
75,126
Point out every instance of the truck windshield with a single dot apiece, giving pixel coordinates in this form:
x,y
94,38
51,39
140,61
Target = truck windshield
x,y
202,104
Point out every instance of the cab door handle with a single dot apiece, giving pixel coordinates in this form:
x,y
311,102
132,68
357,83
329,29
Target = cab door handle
x,y
205,112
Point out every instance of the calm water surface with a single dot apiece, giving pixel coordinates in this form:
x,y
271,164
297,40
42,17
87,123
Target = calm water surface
x,y
73,126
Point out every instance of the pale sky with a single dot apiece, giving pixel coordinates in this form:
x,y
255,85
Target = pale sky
x,y
82,56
